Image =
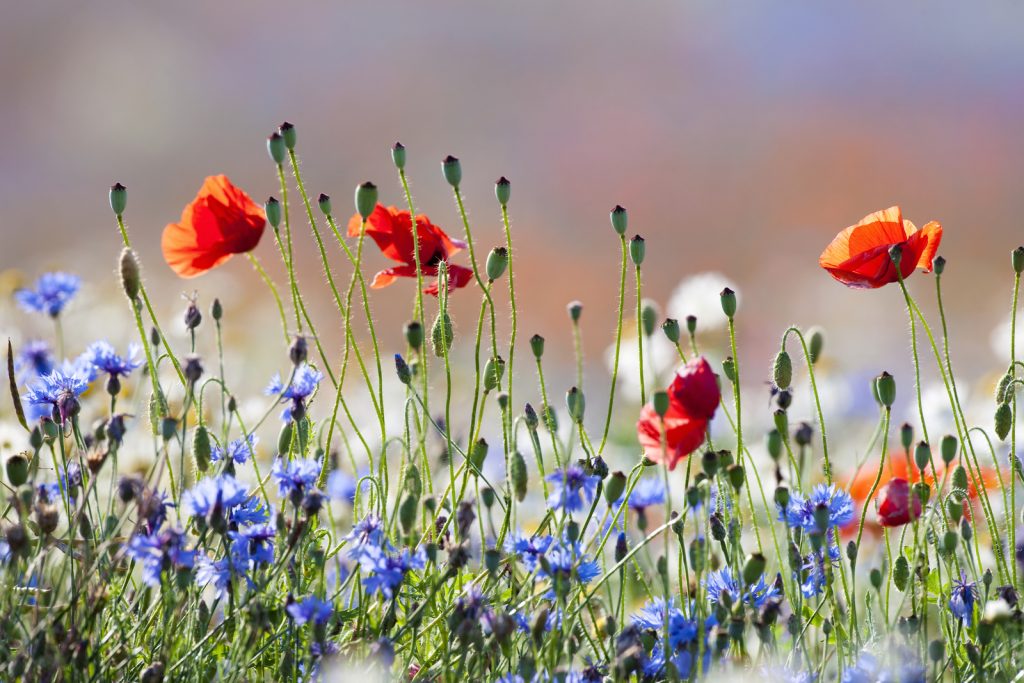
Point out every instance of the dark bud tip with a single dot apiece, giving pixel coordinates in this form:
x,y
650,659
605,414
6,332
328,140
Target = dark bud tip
x,y
620,219
276,148
452,169
324,202
287,132
503,190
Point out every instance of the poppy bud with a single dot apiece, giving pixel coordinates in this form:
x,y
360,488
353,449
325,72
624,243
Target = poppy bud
x,y
637,250
530,416
287,131
503,190
737,476
815,343
119,199
131,280
441,334
1002,395
366,199
906,436
17,469
487,496
477,454
670,326
452,170
537,345
948,447
691,324
783,370
696,552
276,148
885,388
781,419
753,568
576,403
517,471
949,540
851,552
550,418
901,573
398,155
1003,421
960,478
324,201
493,372
729,368
502,399
965,530
728,298
35,438
620,219
876,578
955,509
660,402
497,261
709,463
649,317
201,448
774,444
272,208
402,368
1016,258
575,309
615,487
922,455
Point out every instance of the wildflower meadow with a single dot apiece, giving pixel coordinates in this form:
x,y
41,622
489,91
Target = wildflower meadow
x,y
435,503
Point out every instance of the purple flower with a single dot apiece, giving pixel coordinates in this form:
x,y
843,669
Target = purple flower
x,y
648,491
51,293
528,548
341,486
304,382
800,511
572,489
255,541
755,595
387,571
368,532
35,357
59,391
237,449
159,551
214,496
962,599
104,358
310,609
295,477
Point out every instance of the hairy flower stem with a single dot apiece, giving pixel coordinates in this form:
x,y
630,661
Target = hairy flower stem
x,y
1014,461
618,344
273,290
640,336
418,313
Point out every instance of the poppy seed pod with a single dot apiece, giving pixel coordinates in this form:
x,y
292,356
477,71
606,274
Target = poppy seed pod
x,y
452,169
709,463
649,317
670,326
402,368
442,334
517,471
478,454
728,298
729,369
288,132
366,199
272,209
1003,421
637,250
614,487
119,199
1016,258
816,342
324,202
131,280
737,476
901,573
620,219
922,455
885,388
494,370
947,447
503,190
960,478
660,401
17,469
782,370
407,513
575,309
781,419
276,148
537,346
497,261
576,403
906,436
398,155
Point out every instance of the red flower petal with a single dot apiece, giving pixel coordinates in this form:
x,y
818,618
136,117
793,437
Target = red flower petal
x,y
897,503
695,388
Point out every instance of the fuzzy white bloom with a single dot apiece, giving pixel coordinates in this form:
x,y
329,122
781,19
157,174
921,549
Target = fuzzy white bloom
x,y
699,295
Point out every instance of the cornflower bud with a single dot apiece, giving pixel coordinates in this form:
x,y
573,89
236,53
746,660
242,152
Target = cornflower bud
x,y
402,368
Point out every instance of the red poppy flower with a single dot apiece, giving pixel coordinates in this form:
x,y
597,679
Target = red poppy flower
x,y
391,229
897,503
693,398
859,256
221,221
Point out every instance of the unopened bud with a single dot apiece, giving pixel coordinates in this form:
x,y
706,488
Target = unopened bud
x,y
783,370
728,298
324,202
272,208
620,219
276,148
503,190
131,280
452,169
537,345
576,403
398,155
885,388
815,343
670,326
497,261
119,199
637,250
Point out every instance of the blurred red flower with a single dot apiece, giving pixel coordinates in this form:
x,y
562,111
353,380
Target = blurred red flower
x,y
897,504
859,255
391,229
693,398
221,221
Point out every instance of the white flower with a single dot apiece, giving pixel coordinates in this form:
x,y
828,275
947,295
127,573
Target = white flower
x,y
699,295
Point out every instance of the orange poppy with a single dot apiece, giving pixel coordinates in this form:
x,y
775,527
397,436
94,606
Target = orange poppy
x,y
391,229
221,221
859,255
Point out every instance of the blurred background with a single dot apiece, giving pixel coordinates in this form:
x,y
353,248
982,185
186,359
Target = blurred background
x,y
740,136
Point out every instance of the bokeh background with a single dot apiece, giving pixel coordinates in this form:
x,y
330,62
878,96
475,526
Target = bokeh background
x,y
741,137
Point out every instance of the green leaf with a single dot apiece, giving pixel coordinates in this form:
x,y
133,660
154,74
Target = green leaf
x,y
19,410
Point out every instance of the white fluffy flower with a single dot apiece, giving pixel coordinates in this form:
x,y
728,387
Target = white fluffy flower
x,y
699,295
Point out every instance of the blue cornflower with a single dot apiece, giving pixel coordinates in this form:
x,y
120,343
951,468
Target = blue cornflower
x,y
564,561
552,623
214,495
310,609
572,488
528,548
51,293
755,595
295,477
252,511
104,358
160,550
256,541
237,449
800,511
813,574
647,492
303,383
341,486
153,505
652,615
510,678
60,391
387,571
368,532
35,357
964,595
